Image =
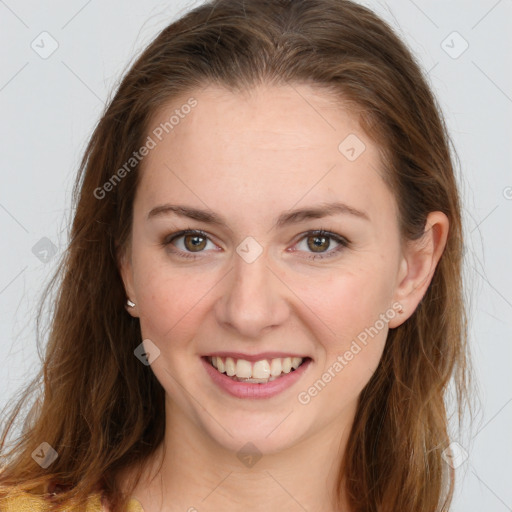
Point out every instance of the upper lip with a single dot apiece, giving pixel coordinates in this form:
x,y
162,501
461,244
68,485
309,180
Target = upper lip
x,y
254,357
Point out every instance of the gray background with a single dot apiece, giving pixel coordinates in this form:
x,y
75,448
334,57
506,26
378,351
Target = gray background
x,y
50,105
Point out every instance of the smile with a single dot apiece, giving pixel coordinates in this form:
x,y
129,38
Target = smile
x,y
262,378
260,372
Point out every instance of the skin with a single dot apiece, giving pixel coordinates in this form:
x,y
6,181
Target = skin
x,y
250,157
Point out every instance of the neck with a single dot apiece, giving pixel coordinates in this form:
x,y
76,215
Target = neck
x,y
191,472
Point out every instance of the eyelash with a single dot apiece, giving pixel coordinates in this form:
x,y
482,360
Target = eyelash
x,y
344,243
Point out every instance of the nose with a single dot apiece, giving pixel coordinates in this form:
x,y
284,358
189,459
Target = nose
x,y
255,299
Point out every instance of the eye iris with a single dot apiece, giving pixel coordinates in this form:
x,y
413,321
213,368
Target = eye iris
x,y
320,243
198,242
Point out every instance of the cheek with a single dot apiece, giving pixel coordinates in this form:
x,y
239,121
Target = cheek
x,y
354,309
352,338
346,301
169,299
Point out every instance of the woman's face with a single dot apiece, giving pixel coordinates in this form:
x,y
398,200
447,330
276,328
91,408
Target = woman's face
x,y
257,283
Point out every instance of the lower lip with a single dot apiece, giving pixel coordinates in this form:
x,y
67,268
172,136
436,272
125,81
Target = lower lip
x,y
250,389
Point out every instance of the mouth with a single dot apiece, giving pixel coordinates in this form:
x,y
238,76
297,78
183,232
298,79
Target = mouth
x,y
258,372
256,376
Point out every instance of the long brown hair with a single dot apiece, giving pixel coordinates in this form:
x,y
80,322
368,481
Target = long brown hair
x,y
101,409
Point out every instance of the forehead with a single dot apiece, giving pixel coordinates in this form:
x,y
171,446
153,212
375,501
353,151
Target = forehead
x,y
266,146
275,118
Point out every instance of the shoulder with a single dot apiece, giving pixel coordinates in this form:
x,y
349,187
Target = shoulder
x,y
27,502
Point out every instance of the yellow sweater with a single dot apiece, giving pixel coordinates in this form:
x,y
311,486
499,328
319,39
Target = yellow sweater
x,y
27,502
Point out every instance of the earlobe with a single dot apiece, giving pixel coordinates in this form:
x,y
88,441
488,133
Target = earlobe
x,y
418,266
126,271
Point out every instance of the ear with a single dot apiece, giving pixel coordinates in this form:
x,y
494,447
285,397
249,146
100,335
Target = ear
x,y
124,262
419,261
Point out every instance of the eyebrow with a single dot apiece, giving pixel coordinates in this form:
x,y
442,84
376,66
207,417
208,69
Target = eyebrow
x,y
286,218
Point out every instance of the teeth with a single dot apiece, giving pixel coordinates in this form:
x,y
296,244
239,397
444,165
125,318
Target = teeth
x,y
276,367
261,371
230,367
243,369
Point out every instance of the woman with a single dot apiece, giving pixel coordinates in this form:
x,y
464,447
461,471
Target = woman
x,y
261,304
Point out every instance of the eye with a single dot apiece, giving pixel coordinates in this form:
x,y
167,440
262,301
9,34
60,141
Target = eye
x,y
318,242
188,241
